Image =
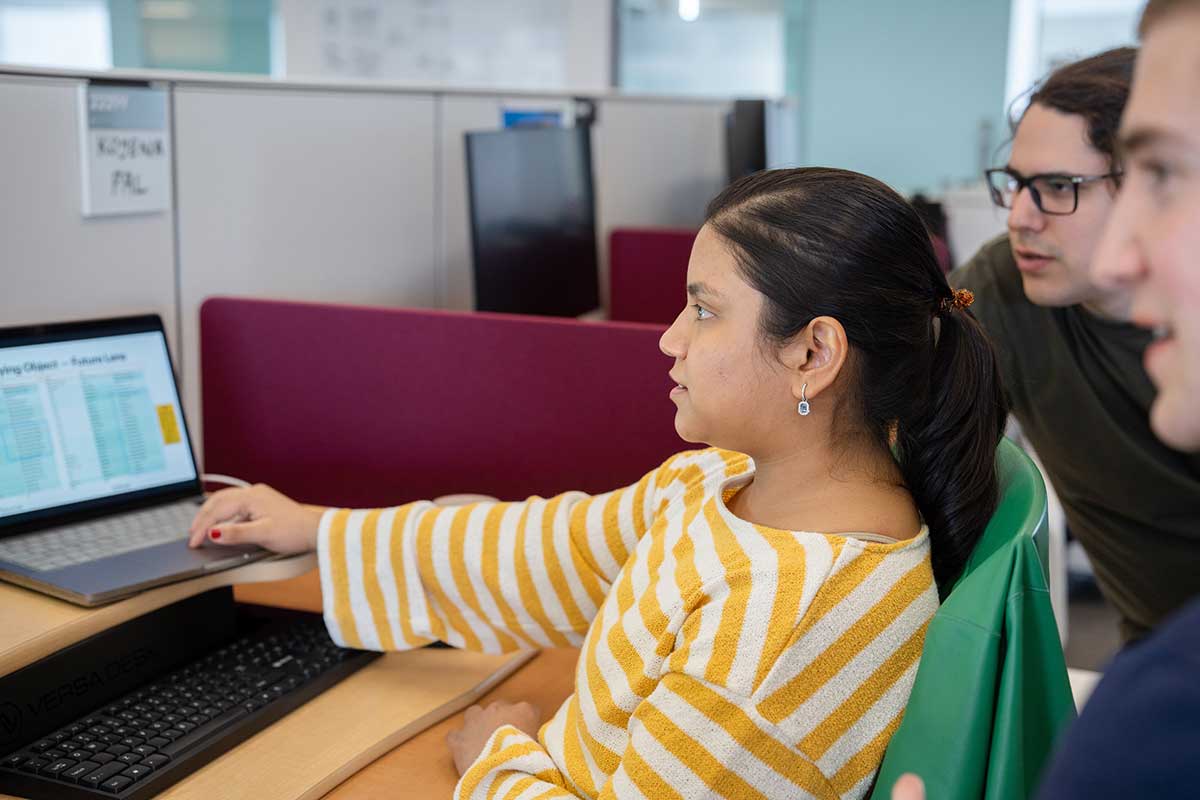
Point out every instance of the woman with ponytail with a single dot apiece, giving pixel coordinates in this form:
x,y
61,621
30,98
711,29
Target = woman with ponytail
x,y
751,615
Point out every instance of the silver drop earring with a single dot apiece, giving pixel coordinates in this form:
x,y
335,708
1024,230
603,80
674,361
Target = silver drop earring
x,y
803,408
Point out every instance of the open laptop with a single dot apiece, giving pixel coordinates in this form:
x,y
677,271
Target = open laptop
x,y
98,482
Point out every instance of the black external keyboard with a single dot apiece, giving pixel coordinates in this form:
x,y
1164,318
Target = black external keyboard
x,y
149,739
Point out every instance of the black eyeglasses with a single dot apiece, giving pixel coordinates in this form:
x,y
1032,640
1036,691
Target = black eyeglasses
x,y
1052,193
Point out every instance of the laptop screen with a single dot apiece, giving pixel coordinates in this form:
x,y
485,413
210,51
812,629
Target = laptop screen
x,y
89,417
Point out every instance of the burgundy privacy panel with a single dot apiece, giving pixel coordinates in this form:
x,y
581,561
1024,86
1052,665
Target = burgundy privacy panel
x,y
648,273
367,406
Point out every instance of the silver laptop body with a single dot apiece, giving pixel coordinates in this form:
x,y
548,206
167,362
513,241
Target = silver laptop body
x,y
98,480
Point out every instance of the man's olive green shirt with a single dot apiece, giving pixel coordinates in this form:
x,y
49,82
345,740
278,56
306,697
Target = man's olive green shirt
x,y
1083,398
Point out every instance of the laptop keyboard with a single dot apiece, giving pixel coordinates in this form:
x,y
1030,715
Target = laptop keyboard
x,y
69,545
149,739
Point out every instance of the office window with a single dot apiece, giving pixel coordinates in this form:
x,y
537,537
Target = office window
x,y
56,34
701,47
1046,34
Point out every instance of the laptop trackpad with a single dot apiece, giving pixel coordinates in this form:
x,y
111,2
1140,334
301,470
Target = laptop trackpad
x,y
151,566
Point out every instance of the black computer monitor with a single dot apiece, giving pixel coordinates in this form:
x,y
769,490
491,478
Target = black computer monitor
x,y
745,138
533,220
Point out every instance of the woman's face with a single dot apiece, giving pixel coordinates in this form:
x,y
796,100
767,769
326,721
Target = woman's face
x,y
730,392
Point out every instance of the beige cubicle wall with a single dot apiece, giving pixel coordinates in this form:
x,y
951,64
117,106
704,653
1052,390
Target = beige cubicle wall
x,y
302,195
322,191
54,264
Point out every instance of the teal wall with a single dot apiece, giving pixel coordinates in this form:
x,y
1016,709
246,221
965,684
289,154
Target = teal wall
x,y
125,21
898,90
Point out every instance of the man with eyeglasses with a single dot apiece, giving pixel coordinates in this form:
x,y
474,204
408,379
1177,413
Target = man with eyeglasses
x,y
1071,359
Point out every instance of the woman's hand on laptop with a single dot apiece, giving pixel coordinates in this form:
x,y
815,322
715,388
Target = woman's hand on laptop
x,y
256,515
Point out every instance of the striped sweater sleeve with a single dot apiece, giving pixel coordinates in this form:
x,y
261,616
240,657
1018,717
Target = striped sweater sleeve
x,y
689,738
494,577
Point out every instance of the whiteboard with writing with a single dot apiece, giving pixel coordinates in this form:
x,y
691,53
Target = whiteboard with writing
x,y
125,144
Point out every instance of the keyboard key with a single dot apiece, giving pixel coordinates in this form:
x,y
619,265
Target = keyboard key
x,y
158,741
34,764
12,762
116,783
54,754
78,771
53,769
138,771
274,676
172,734
79,755
42,746
157,761
101,758
99,775
117,750
130,758
145,749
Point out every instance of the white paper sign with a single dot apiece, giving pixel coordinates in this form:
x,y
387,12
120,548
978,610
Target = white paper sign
x,y
126,150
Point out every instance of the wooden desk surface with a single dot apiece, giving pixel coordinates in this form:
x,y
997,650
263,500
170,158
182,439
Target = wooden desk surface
x,y
422,767
33,625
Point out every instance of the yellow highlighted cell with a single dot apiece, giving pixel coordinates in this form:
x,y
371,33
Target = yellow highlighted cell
x,y
169,424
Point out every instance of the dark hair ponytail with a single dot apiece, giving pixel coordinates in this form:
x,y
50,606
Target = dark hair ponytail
x,y
947,449
827,242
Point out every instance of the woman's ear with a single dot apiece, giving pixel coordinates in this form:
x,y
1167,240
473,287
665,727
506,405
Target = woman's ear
x,y
815,356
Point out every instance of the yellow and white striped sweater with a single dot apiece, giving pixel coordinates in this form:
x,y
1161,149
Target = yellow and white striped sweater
x,y
719,658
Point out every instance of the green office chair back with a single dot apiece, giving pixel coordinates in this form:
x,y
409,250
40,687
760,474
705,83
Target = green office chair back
x,y
991,692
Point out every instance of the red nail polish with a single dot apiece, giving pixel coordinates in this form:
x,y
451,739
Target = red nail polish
x,y
214,533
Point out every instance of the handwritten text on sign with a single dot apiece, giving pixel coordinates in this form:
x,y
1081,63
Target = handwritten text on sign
x,y
126,150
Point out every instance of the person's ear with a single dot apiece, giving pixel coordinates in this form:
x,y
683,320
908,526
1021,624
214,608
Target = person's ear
x,y
815,357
